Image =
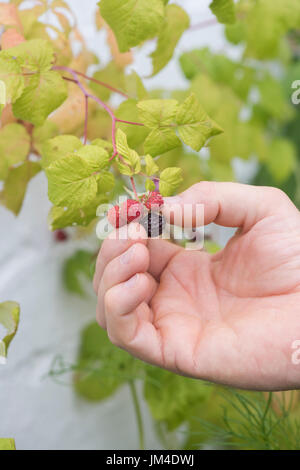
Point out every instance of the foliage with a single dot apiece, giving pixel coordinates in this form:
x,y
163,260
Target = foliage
x,y
9,319
7,444
257,422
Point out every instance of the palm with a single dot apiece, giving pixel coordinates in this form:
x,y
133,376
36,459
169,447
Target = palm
x,y
234,313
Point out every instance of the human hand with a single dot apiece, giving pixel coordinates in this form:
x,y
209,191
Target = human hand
x,y
229,318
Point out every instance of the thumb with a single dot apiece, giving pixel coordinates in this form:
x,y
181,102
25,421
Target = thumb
x,y
227,204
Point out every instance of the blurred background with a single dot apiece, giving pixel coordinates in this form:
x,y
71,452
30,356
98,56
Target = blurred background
x,y
39,406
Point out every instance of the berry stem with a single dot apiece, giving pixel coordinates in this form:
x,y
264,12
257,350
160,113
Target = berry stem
x,y
134,188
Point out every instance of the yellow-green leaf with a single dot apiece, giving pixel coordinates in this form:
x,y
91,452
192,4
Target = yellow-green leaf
x,y
59,147
133,21
170,180
9,318
14,147
176,22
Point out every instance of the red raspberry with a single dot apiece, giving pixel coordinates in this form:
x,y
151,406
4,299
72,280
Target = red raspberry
x,y
114,218
154,200
131,210
60,236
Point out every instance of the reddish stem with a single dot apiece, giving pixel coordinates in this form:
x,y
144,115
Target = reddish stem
x,y
91,79
130,122
134,188
86,119
203,24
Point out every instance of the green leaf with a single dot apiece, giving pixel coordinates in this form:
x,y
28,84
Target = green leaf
x,y
7,444
170,179
60,217
282,160
171,398
11,76
129,156
151,167
134,86
104,144
14,147
73,180
194,125
149,185
76,269
16,183
34,55
157,113
111,74
42,133
133,21
102,367
176,22
128,111
44,93
106,182
161,140
224,10
59,147
9,318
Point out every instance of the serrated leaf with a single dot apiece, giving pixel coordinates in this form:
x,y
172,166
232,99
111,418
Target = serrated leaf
x,y
102,367
151,167
130,156
11,76
16,183
73,180
134,86
59,147
224,10
157,113
133,21
77,268
107,146
106,182
9,318
171,397
149,185
14,147
7,444
44,93
128,111
170,180
35,55
176,22
194,125
161,140
43,133
60,217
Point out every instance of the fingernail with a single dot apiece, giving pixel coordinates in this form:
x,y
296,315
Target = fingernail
x,y
127,256
132,281
172,200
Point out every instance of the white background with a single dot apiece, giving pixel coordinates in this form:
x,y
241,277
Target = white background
x,y
36,411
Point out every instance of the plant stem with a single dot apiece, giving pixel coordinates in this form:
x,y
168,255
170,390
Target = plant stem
x,y
130,122
134,188
91,79
138,413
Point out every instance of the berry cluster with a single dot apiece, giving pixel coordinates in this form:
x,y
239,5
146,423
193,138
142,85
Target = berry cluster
x,y
146,211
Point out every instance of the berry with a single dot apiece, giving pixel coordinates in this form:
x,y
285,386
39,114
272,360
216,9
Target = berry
x,y
154,201
60,236
131,210
113,217
154,224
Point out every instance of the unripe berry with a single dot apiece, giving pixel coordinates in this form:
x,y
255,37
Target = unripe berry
x,y
131,210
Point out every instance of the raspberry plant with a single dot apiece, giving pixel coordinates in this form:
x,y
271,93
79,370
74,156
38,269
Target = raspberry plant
x,y
60,118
